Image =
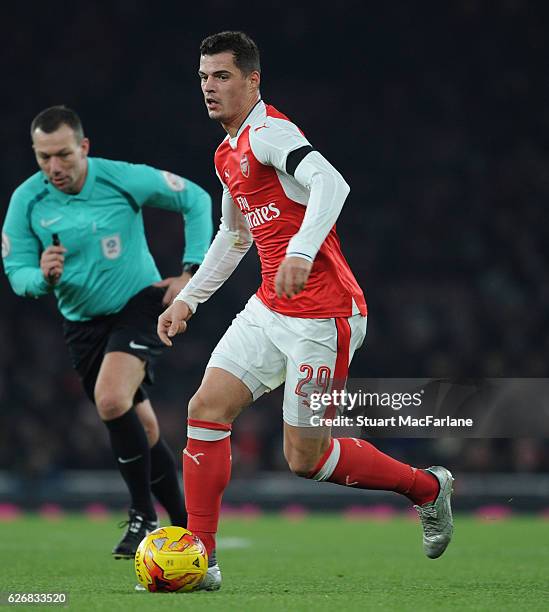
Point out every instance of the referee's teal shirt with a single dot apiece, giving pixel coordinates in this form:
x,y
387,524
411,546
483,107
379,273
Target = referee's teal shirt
x,y
108,260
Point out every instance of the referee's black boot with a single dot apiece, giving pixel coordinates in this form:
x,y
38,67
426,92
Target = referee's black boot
x,y
137,528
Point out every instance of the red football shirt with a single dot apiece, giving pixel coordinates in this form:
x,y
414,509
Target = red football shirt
x,y
252,167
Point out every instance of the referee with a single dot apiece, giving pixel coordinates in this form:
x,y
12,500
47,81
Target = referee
x,y
75,228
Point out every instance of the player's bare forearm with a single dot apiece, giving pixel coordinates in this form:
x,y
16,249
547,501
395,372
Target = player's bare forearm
x,y
173,321
292,276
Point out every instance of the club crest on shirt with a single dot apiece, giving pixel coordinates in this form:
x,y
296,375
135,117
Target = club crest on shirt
x,y
174,182
245,166
111,246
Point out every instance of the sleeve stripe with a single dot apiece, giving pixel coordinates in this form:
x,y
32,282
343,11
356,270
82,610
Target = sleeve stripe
x,y
299,254
31,205
131,200
295,157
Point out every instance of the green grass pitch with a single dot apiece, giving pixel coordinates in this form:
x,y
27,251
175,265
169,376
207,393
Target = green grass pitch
x,y
322,562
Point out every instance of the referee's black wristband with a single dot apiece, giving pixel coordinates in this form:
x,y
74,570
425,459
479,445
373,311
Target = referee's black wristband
x,y
190,268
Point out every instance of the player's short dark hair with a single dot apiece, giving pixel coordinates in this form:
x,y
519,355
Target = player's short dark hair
x,y
51,119
243,48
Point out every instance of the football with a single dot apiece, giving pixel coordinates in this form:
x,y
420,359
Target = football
x,y
171,559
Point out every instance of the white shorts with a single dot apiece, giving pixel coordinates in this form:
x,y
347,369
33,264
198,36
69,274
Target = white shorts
x,y
263,349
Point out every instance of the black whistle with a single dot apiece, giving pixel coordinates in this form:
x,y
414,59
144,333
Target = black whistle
x,y
55,242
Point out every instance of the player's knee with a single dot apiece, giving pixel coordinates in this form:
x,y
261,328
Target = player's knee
x,y
205,408
197,406
111,404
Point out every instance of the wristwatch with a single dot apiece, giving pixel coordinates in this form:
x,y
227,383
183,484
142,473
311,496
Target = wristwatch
x,y
191,268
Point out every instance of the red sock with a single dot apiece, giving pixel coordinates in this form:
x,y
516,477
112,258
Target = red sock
x,y
206,473
357,463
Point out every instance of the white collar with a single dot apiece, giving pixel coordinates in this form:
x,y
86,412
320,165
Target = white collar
x,y
256,114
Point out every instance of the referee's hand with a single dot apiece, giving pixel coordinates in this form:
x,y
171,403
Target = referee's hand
x,y
173,285
173,321
52,262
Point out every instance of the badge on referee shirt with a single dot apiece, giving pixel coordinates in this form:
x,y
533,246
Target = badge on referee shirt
x,y
6,247
111,246
174,182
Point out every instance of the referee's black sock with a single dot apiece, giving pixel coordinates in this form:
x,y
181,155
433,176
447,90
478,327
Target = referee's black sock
x,y
165,483
131,450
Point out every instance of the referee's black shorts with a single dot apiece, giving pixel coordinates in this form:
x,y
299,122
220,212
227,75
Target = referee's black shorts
x,y
132,330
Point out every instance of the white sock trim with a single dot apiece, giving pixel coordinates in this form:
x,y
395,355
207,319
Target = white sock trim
x,y
330,465
207,435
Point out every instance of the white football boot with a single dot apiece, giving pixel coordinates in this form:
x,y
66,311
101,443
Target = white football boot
x,y
210,582
436,517
212,579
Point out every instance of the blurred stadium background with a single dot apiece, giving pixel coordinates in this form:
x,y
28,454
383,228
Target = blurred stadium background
x,y
437,116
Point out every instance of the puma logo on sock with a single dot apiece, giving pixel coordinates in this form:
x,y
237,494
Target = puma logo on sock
x,y
193,457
